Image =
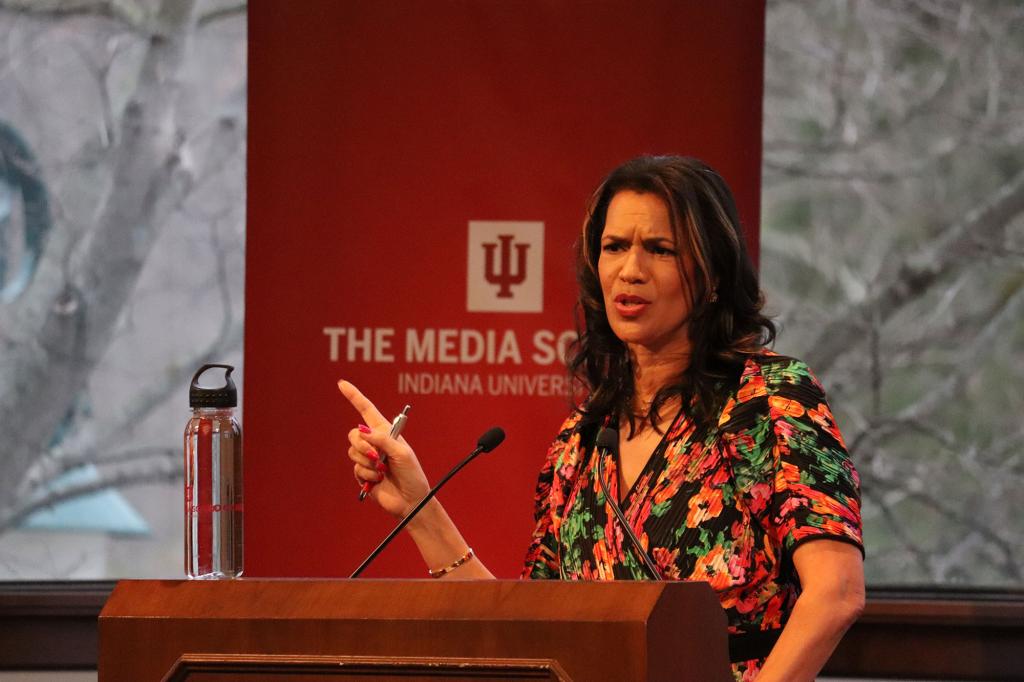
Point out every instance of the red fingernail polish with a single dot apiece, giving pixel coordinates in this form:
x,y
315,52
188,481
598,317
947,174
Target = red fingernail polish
x,y
372,454
363,428
382,468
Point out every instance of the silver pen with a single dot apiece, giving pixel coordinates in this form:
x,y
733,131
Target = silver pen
x,y
397,424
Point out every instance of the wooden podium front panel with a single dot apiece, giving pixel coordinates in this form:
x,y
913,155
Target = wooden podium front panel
x,y
270,668
594,631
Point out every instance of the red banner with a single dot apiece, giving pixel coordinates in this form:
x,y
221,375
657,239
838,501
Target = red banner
x,y
418,173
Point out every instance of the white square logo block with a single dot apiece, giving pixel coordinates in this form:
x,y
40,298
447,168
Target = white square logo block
x,y
506,266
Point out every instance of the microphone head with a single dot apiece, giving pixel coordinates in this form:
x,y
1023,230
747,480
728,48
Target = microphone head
x,y
491,439
608,439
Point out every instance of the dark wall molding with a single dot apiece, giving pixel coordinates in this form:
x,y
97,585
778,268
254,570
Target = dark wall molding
x,y
50,625
935,634
903,633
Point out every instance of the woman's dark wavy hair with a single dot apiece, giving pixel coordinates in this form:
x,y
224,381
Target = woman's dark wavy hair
x,y
725,324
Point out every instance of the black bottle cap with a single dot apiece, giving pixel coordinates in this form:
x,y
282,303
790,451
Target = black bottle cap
x,y
225,396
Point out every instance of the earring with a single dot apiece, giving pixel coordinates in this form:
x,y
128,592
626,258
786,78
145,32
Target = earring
x,y
714,297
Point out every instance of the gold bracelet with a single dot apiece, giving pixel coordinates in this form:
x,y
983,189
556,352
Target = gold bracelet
x,y
452,566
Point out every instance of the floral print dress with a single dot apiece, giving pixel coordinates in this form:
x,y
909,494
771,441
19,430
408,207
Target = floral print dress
x,y
724,505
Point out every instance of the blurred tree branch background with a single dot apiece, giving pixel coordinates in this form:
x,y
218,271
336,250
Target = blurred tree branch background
x,y
127,273
893,252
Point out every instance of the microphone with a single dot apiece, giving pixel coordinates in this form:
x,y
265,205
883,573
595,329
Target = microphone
x,y
608,440
491,439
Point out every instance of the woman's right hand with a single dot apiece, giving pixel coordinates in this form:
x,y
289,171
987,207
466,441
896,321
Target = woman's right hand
x,y
398,485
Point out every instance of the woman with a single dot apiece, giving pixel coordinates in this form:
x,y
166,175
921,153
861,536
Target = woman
x,y
729,462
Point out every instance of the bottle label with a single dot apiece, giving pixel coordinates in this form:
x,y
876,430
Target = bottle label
x,y
207,508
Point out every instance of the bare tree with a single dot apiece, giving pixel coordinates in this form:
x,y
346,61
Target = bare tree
x,y
894,208
140,155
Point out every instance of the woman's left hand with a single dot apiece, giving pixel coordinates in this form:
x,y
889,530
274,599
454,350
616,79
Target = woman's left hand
x,y
831,598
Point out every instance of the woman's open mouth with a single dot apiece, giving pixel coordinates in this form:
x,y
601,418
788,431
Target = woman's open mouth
x,y
630,305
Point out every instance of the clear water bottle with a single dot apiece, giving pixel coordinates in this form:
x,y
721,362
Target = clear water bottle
x,y
213,481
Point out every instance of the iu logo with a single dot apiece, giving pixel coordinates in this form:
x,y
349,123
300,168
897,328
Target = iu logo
x,y
505,277
505,266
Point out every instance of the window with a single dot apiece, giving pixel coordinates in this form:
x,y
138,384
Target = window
x,y
892,252
122,231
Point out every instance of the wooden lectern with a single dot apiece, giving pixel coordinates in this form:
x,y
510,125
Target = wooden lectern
x,y
305,630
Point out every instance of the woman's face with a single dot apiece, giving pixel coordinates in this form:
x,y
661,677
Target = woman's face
x,y
645,295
